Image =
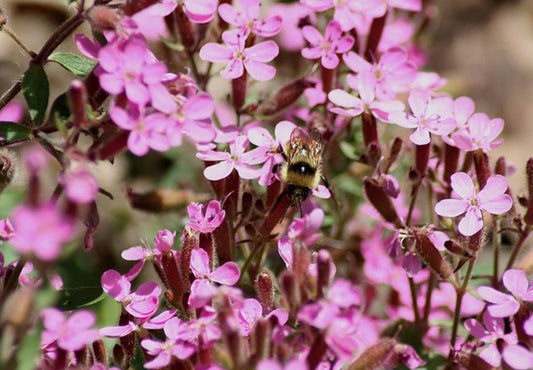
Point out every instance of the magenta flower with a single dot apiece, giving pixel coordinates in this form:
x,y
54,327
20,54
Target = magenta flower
x,y
164,240
200,11
146,132
172,347
13,112
492,330
237,159
267,151
518,357
80,185
133,69
202,289
505,305
205,219
430,116
204,329
480,132
394,72
41,230
249,312
247,20
149,323
150,21
6,230
491,198
70,334
275,365
238,57
326,47
352,106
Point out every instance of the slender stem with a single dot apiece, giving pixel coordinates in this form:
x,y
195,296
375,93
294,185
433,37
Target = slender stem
x,y
248,260
516,248
457,313
19,42
429,293
496,239
194,67
412,288
414,195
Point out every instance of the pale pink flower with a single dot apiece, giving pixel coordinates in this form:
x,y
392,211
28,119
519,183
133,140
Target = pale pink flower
x,y
247,19
351,106
275,365
480,132
518,357
430,116
202,289
328,46
200,11
315,95
41,230
238,57
150,21
164,240
70,334
491,198
237,159
505,305
80,185
397,31
492,330
247,315
394,73
149,323
290,38
205,218
528,326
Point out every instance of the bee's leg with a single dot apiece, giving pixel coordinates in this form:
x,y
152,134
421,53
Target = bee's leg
x,y
328,186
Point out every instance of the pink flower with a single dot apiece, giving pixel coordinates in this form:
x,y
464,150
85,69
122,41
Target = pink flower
x,y
237,159
249,312
200,11
146,132
365,84
290,38
149,323
518,357
202,289
479,133
6,229
491,198
70,334
505,305
172,347
429,116
164,240
326,47
394,72
141,304
238,57
267,151
41,231
204,329
247,20
13,112
492,330
275,365
80,185
205,219
132,68
150,21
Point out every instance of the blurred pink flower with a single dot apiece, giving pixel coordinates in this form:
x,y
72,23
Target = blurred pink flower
x,y
164,240
80,185
248,313
351,106
290,38
237,159
238,57
200,11
149,323
492,330
326,47
70,334
275,365
13,112
41,230
172,347
202,289
394,73
6,229
397,31
205,218
204,329
505,305
247,20
150,21
430,116
491,198
480,132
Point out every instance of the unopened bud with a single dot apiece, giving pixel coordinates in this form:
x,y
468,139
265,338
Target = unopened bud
x,y
285,96
476,241
7,168
103,18
222,242
451,161
100,352
265,291
370,137
327,76
380,200
481,164
375,356
78,103
118,354
431,256
261,338
238,90
290,290
455,248
500,168
275,215
191,241
173,278
323,272
528,218
422,159
394,153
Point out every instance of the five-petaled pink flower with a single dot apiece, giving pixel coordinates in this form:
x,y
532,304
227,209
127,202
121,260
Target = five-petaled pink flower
x,y
505,305
200,11
205,219
70,334
80,185
491,198
247,20
202,289
480,132
429,116
365,84
326,47
238,57
237,159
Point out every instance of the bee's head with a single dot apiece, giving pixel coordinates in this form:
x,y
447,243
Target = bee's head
x,y
297,194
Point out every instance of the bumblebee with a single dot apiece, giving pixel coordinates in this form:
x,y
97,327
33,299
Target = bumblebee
x,y
302,169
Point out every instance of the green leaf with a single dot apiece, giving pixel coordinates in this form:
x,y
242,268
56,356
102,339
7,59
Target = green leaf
x,y
12,131
173,45
74,298
348,150
36,90
28,351
75,64
60,111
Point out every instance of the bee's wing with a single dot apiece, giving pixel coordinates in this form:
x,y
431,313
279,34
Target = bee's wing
x,y
298,133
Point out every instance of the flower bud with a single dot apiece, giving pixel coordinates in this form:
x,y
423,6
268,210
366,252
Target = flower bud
x,y
265,291
327,76
118,354
455,248
375,356
476,241
110,148
421,159
451,161
100,352
481,164
394,153
370,137
528,218
78,103
164,240
431,255
284,97
380,200
374,36
191,241
173,280
290,290
390,185
323,272
261,339
7,168
238,91
103,18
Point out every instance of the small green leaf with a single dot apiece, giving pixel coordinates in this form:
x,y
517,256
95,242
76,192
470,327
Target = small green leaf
x,y
75,64
74,298
60,111
348,150
173,45
12,131
36,90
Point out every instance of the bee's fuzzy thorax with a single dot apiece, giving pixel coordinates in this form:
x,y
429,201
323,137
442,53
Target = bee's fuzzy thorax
x,y
293,178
